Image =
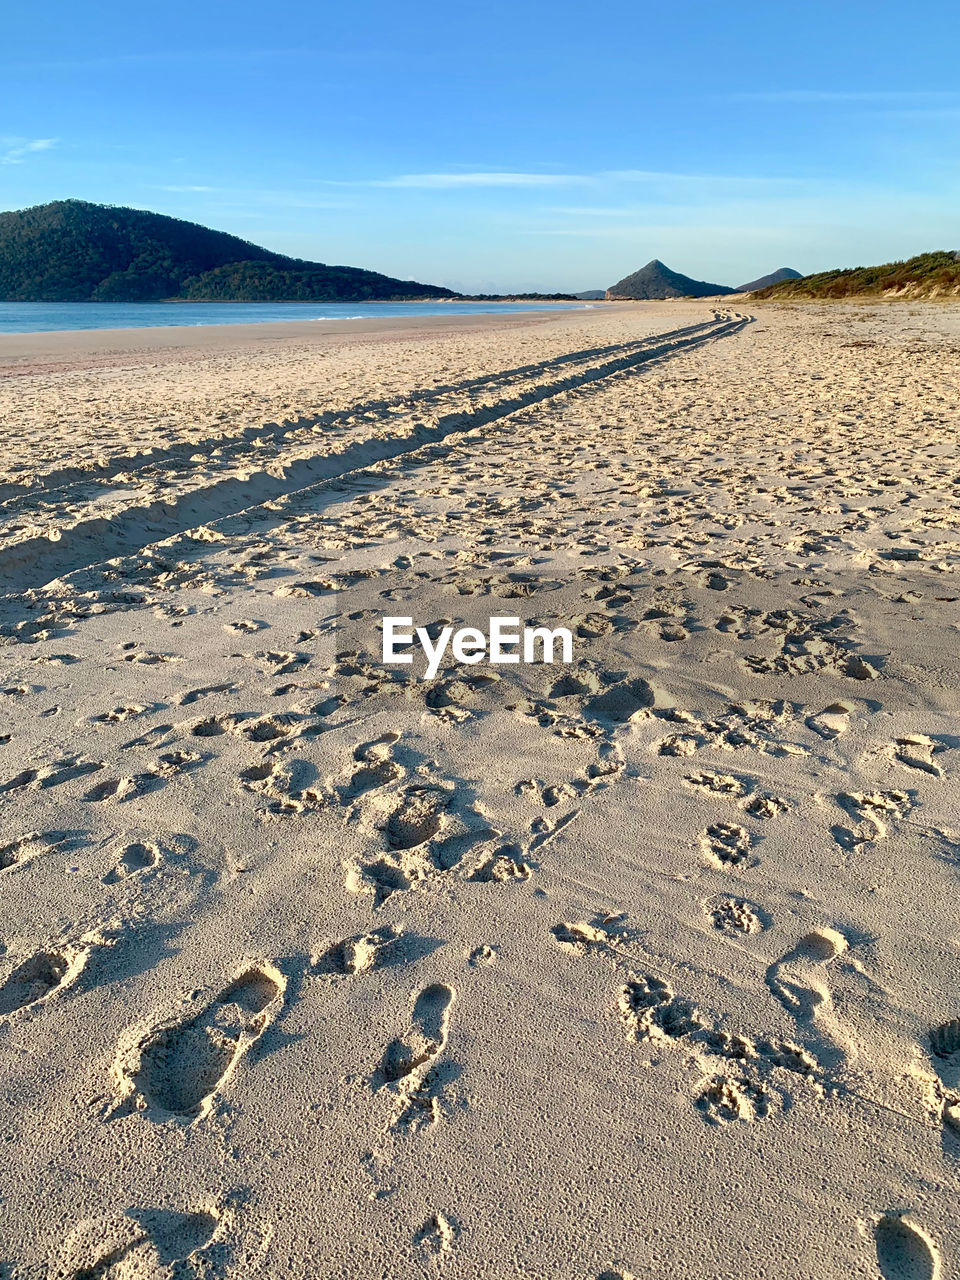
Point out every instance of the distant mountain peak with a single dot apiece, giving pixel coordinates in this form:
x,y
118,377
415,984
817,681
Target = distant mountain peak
x,y
781,273
656,281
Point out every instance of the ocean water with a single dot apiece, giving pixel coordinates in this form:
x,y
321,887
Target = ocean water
x,y
40,317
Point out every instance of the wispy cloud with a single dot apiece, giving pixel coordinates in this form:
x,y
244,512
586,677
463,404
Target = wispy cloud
x,y
16,150
662,232
169,187
438,181
589,211
455,181
654,176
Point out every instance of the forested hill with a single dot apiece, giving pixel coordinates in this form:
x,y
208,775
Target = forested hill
x,y
75,251
928,275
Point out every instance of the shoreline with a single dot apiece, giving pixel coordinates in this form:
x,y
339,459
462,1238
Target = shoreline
x,y
505,306
62,349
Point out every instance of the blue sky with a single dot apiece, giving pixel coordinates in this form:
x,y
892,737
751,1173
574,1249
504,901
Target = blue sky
x,y
497,146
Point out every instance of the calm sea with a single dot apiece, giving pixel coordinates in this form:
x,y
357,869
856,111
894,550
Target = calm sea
x,y
38,317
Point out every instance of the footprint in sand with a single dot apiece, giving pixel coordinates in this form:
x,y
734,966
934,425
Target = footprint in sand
x,y
916,751
719,784
765,805
359,954
426,1038
118,789
143,1243
501,866
734,915
214,726
134,860
413,855
945,1049
21,851
46,973
172,763
833,720
290,787
194,695
608,766
727,1097
418,818
650,1010
147,658
905,1251
740,1081
152,738
548,796
245,626
945,1039
177,1069
53,775
376,768
874,811
410,1062
623,702
269,728
284,663
382,877
727,845
119,714
576,685
680,744
58,659
23,779
584,937
437,1236
795,979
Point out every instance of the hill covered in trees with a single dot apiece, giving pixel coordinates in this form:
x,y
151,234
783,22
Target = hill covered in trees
x,y
928,275
75,251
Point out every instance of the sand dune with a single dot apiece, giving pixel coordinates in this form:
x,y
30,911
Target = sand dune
x,y
640,966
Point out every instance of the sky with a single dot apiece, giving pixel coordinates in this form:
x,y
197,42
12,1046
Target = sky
x,y
507,145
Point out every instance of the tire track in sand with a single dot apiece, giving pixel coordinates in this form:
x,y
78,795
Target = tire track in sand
x,y
96,537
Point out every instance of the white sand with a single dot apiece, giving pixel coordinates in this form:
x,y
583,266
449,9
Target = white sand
x,y
643,968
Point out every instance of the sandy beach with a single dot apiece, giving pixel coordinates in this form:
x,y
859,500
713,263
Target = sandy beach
x,y
641,965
